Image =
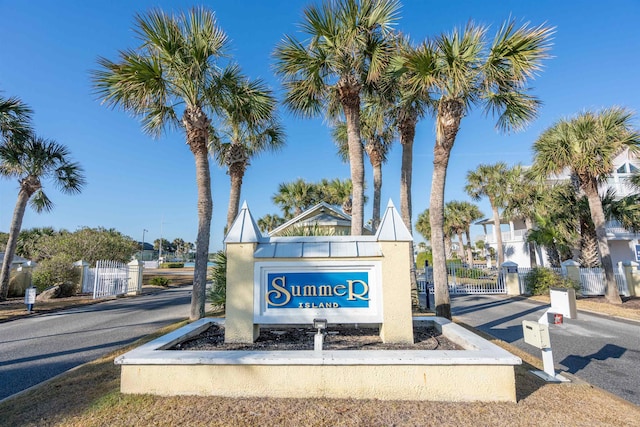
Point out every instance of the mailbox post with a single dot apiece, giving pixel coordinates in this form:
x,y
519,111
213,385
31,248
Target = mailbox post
x,y
30,298
537,334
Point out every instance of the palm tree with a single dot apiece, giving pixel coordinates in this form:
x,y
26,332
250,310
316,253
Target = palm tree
x,y
15,118
524,197
461,216
31,161
378,136
269,222
249,126
461,71
587,144
348,49
172,80
295,197
491,181
337,192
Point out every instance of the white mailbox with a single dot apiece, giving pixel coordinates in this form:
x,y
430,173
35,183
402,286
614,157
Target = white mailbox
x,y
536,334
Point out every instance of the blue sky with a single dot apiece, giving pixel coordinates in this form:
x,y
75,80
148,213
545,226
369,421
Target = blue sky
x,y
136,183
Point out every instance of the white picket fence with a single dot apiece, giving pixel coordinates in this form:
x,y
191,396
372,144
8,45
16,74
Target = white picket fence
x,y
592,281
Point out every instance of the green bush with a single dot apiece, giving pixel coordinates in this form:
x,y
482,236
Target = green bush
x,y
540,279
422,257
57,270
469,273
218,276
172,265
159,281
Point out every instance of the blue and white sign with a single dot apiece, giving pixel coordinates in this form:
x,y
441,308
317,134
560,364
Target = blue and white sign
x,y
341,292
637,252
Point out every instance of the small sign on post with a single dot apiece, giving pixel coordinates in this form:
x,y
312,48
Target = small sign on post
x,y
30,298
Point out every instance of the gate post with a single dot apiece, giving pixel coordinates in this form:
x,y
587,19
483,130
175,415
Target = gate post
x,y
571,269
511,279
134,285
83,267
633,277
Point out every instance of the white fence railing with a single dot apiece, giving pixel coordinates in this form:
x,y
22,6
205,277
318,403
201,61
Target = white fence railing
x,y
491,281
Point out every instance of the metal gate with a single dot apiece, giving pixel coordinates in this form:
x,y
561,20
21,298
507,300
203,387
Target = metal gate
x,y
463,280
111,279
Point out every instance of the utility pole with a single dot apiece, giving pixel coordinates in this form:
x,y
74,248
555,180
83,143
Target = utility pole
x,y
142,248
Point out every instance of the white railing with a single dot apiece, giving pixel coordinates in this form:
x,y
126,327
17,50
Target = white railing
x,y
508,236
111,279
462,280
592,282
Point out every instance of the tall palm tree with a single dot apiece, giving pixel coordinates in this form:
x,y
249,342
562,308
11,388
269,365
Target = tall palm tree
x,y
587,144
172,80
31,161
348,49
378,136
454,216
463,70
248,127
491,181
465,215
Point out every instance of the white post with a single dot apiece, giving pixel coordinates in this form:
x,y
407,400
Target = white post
x,y
134,286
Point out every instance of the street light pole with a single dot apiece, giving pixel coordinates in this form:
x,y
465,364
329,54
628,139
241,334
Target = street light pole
x,y
142,249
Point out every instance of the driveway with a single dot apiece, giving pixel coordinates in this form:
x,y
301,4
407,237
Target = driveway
x,y
603,351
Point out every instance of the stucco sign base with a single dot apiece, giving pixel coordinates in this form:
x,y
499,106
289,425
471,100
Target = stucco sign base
x,y
481,372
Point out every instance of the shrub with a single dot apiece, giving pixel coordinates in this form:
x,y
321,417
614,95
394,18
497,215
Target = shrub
x,y
218,276
159,281
469,273
172,265
422,257
55,271
540,279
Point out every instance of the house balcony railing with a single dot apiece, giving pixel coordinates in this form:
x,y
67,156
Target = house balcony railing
x,y
615,230
507,236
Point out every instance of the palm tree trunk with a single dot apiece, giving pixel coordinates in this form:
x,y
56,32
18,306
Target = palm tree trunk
x,y
377,188
461,247
533,263
236,174
590,188
498,230
196,125
407,134
351,107
447,125
10,251
469,250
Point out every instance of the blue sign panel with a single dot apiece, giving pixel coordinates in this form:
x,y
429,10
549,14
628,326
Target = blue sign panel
x,y
322,289
637,252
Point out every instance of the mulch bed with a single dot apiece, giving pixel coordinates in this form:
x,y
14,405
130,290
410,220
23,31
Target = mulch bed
x,y
336,338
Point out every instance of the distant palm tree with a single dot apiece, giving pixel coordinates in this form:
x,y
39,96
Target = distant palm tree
x,y
523,199
31,161
295,197
491,181
460,216
587,144
248,126
336,192
348,49
269,222
378,136
172,80
462,70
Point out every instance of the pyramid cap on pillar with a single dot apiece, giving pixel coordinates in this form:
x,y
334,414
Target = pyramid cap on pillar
x,y
244,229
392,227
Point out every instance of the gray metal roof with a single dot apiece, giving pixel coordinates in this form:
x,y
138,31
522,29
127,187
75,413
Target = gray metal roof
x,y
244,229
392,227
324,249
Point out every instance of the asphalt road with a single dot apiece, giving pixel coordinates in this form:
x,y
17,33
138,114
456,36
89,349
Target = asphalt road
x,y
601,350
40,347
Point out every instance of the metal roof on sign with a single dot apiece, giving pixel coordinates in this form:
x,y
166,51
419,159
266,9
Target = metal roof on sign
x,y
328,249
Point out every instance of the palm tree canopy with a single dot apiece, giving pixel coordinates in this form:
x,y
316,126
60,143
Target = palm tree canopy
x,y
347,46
248,119
35,159
462,67
174,66
488,180
15,118
586,143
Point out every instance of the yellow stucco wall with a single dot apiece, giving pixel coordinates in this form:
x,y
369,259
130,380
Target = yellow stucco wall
x,y
239,326
385,382
397,326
